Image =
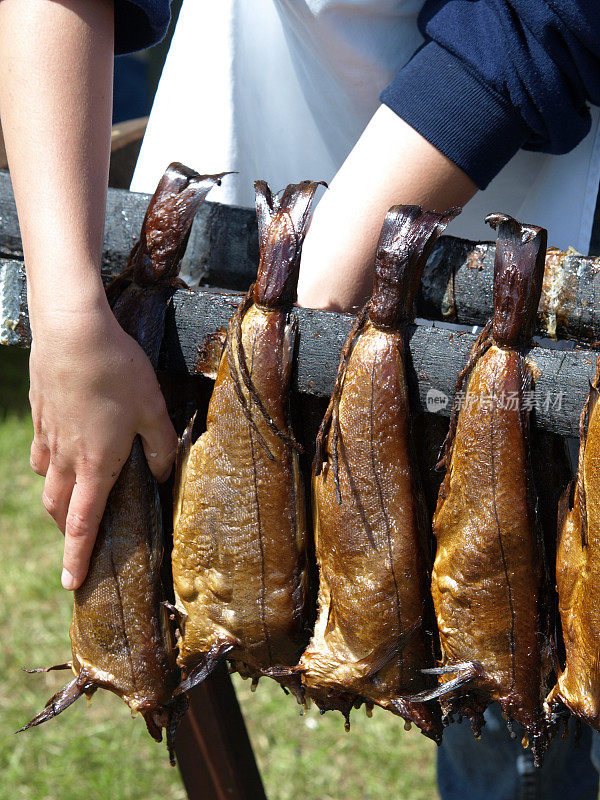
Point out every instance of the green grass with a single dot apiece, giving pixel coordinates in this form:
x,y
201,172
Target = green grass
x,y
98,752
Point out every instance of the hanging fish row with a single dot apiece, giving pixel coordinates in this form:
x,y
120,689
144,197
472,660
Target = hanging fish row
x,y
424,637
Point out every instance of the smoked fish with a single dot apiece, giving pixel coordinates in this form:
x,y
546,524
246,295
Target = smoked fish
x,y
578,577
121,636
373,634
239,547
488,577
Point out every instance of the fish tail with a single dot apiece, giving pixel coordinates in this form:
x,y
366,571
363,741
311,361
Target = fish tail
x,y
467,673
208,664
282,225
518,277
405,243
170,214
61,700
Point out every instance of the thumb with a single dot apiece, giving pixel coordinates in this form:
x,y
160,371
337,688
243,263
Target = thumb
x,y
159,441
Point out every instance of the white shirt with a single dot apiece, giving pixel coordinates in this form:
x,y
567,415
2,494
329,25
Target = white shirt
x,y
282,90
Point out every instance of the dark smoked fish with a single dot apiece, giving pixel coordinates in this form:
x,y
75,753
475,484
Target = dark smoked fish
x,y
578,577
120,634
488,578
239,557
371,640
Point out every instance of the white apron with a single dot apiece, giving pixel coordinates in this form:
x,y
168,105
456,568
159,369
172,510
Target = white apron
x,y
282,90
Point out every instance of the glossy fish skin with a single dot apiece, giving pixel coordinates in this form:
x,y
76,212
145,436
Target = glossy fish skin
x,y
488,572
239,557
578,577
120,633
371,641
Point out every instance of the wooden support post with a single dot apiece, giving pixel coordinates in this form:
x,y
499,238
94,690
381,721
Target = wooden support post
x,y
213,750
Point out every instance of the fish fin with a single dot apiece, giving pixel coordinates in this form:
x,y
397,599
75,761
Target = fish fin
x,y
66,665
204,668
236,379
467,672
330,422
340,455
482,344
239,370
59,702
290,337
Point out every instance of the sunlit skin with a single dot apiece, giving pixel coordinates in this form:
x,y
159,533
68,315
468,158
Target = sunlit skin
x,y
92,387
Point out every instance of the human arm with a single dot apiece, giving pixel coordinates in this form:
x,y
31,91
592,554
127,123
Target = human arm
x,y
92,387
492,76
390,164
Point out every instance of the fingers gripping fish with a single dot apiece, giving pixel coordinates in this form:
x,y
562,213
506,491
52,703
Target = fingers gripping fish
x,y
120,633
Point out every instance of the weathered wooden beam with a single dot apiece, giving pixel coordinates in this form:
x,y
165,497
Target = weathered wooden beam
x,y
212,745
438,354
458,280
456,286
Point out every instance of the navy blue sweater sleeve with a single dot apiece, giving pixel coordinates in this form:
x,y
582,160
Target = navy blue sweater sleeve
x,y
140,23
497,75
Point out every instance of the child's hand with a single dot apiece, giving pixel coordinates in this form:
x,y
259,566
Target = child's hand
x,y
92,390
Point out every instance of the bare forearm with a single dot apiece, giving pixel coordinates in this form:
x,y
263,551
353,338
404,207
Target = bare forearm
x,y
55,103
92,389
390,164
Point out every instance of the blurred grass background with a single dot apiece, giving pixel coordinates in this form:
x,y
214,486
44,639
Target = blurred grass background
x,y
98,752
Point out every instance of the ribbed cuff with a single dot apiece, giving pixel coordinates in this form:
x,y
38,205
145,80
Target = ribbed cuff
x,y
139,24
438,96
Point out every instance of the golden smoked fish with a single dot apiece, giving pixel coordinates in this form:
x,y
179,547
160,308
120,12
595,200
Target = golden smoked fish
x,y
239,557
374,633
488,576
120,633
578,577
